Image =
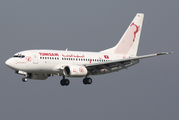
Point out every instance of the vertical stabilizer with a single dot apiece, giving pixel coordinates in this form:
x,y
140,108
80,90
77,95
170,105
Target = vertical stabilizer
x,y
128,44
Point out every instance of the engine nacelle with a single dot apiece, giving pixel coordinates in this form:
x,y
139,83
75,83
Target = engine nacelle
x,y
75,71
37,76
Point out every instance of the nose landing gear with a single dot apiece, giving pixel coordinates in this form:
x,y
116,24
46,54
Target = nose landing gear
x,y
27,75
24,79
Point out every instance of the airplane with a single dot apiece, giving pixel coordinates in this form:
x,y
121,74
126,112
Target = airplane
x,y
41,64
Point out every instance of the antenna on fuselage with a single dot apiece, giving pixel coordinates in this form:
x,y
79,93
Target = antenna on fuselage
x,y
66,49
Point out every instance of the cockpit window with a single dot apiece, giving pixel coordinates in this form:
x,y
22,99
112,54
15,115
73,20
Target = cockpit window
x,y
19,56
15,56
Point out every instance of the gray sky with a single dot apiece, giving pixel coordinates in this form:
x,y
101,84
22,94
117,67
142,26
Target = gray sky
x,y
147,91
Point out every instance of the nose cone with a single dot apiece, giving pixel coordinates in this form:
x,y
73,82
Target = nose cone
x,y
9,63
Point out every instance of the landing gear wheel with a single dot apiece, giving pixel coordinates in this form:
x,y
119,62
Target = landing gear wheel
x,y
64,82
87,81
24,79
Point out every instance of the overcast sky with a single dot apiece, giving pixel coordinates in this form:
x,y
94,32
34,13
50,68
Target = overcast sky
x,y
146,91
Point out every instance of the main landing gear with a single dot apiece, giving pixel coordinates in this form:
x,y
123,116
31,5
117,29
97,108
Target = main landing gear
x,y
87,80
66,82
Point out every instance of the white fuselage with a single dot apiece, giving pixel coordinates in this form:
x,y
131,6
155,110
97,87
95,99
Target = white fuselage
x,y
50,61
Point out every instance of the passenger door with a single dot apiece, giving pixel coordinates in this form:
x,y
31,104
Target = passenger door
x,y
35,58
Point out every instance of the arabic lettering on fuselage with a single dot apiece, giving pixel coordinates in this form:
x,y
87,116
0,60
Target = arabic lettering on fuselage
x,y
72,55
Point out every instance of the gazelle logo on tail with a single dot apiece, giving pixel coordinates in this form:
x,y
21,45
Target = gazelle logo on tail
x,y
135,32
127,40
128,44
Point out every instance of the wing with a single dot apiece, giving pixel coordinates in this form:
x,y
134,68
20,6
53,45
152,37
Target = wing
x,y
115,65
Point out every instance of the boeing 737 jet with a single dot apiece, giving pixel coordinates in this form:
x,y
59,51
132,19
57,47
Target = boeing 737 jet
x,y
41,64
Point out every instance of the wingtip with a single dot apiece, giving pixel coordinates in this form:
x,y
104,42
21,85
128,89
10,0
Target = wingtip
x,y
164,53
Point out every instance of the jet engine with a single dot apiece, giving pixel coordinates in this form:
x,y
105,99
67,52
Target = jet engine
x,y
75,71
